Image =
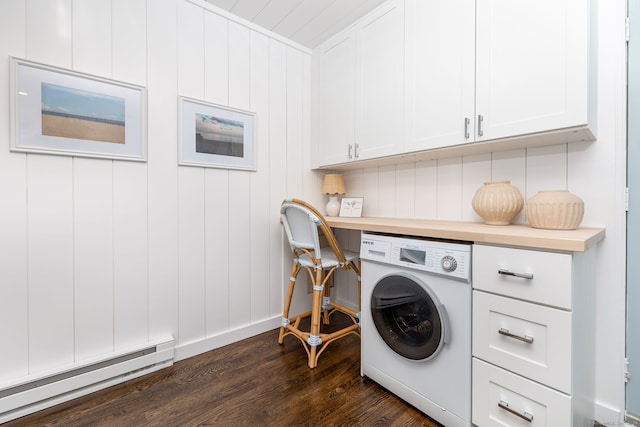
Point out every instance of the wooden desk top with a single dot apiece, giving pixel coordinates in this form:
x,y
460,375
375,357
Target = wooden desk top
x,y
510,235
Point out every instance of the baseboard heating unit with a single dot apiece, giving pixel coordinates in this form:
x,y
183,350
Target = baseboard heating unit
x,y
43,390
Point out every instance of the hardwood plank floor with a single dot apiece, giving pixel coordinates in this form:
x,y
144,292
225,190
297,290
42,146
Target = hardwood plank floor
x,y
255,382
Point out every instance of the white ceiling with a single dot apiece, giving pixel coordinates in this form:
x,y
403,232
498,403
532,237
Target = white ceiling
x,y
307,22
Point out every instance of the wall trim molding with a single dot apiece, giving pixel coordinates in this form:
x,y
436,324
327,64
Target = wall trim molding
x,y
608,416
194,348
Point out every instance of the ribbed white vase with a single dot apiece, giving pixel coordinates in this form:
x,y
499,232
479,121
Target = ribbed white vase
x,y
497,202
555,210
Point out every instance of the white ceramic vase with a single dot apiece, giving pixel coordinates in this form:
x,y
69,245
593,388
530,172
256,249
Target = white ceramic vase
x,y
497,202
333,206
555,210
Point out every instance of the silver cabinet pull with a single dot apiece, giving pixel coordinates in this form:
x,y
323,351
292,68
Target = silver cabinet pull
x,y
506,272
525,416
480,119
356,151
467,122
350,151
507,333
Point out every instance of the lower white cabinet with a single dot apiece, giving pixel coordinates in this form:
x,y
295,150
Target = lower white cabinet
x,y
533,337
502,398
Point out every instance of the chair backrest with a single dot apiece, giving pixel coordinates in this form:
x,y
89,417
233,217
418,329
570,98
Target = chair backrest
x,y
302,223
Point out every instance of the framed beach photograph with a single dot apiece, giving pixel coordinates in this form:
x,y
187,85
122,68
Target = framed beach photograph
x,y
216,136
58,111
351,207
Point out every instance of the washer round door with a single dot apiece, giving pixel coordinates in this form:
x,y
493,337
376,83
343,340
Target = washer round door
x,y
408,317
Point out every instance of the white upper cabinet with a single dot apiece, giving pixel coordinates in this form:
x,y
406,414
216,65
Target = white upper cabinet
x,y
337,99
360,93
532,67
439,73
415,76
380,65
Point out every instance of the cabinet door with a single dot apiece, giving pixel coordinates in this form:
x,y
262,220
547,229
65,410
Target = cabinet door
x,y
529,339
337,98
531,275
531,66
501,398
439,73
380,57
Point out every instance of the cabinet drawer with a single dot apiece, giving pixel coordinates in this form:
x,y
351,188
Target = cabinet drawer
x,y
501,398
498,270
529,339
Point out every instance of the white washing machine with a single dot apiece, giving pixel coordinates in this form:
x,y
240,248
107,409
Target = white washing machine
x,y
416,322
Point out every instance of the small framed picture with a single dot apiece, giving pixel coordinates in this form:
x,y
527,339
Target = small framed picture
x,y
351,207
216,136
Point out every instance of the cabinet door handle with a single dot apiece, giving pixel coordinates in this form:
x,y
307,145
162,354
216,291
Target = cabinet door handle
x,y
356,151
350,151
506,272
507,333
525,416
480,119
467,122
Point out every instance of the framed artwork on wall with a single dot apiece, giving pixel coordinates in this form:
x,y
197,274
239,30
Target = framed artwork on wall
x,y
216,136
63,112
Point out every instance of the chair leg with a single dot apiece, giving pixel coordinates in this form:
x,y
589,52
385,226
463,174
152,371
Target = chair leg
x,y
326,300
287,304
314,341
316,310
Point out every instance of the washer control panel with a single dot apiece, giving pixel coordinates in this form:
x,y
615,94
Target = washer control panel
x,y
446,258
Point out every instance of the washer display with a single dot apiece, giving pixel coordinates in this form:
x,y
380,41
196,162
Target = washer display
x,y
416,322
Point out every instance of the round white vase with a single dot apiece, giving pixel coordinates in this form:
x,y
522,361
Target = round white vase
x,y
333,206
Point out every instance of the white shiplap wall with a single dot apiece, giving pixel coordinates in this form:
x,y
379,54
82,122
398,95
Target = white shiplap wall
x,y
98,255
443,189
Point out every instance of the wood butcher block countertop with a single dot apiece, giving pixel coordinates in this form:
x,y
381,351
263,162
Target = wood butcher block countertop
x,y
509,235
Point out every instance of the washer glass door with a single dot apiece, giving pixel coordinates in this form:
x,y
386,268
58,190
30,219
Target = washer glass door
x,y
407,317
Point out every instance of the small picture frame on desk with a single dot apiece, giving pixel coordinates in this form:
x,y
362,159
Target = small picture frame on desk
x,y
351,207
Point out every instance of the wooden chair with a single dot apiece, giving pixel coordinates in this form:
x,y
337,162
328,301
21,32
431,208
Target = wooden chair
x,y
305,227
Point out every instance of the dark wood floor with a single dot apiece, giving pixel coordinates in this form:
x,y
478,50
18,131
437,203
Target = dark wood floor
x,y
255,382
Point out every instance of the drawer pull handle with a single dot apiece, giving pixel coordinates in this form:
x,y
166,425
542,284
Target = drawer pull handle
x,y
507,333
525,416
511,273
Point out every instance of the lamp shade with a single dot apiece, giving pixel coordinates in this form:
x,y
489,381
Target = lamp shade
x,y
333,184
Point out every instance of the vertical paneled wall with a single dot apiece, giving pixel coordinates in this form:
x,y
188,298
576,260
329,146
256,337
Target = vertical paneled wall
x,y
443,189
97,255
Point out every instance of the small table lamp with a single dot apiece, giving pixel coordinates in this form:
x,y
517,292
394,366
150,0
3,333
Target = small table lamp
x,y
333,186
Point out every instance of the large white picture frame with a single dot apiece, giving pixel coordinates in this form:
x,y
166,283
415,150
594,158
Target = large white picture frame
x,y
63,112
216,136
